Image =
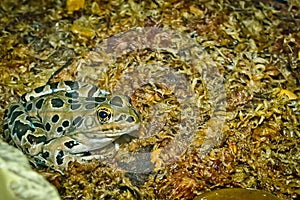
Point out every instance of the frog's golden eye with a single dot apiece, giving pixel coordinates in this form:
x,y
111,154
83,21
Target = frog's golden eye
x,y
104,114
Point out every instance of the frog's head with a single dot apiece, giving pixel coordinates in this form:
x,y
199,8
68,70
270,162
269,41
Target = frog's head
x,y
117,116
112,118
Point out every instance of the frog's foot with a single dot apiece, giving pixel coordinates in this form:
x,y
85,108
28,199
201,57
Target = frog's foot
x,y
58,153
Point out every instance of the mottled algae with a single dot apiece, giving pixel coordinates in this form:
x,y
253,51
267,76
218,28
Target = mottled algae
x,y
250,48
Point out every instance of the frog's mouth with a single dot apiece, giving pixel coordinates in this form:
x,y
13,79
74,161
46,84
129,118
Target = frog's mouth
x,y
95,139
112,130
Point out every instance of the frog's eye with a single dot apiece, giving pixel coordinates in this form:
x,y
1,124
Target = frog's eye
x,y
104,114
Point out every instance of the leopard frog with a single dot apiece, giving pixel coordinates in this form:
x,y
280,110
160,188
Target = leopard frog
x,y
66,121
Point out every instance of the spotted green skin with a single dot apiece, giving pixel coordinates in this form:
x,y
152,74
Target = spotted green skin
x,y
67,121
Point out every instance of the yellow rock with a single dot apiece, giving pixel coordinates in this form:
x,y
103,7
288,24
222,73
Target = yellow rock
x,y
236,194
74,5
288,93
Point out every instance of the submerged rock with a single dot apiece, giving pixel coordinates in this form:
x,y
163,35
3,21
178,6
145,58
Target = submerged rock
x,y
18,181
236,194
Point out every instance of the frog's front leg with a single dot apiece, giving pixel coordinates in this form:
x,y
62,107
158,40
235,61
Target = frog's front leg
x,y
59,152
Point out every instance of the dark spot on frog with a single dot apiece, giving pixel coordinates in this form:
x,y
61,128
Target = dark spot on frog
x,y
59,129
12,109
100,99
75,106
55,118
66,123
116,101
38,125
47,126
59,157
121,118
86,153
130,119
15,115
36,140
54,85
90,106
20,129
71,144
72,94
39,117
39,103
45,154
57,103
29,107
72,84
92,91
28,118
72,101
39,89
97,99
23,98
77,121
